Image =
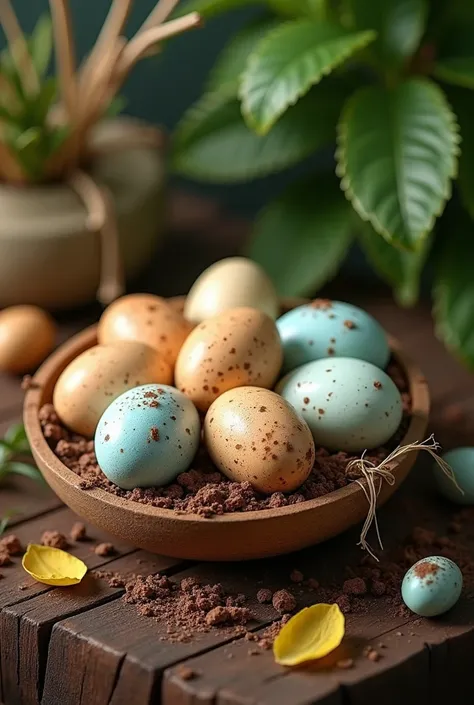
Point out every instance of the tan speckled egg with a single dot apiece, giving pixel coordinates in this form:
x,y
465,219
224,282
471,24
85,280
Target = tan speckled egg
x,y
99,375
253,435
239,347
230,283
27,335
147,319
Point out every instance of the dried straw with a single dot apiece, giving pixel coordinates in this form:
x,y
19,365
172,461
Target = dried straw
x,y
383,471
18,47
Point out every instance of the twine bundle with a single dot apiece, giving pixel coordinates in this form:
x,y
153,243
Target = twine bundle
x,y
371,472
86,92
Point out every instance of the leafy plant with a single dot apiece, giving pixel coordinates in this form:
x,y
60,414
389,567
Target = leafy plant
x,y
13,447
46,120
392,85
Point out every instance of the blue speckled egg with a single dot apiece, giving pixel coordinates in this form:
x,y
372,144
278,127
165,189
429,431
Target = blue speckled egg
x,y
348,404
461,461
432,586
331,329
147,436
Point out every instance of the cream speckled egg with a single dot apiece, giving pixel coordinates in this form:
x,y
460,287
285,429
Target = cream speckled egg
x,y
27,335
99,375
231,283
145,318
253,435
239,347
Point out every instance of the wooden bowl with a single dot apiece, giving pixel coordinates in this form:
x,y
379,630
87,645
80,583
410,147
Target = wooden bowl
x,y
230,537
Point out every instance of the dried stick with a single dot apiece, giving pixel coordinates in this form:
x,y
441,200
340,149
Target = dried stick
x,y
110,32
159,14
18,47
65,55
138,46
101,218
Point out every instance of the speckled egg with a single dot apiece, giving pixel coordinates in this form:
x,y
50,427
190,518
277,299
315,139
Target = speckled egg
x,y
326,328
348,404
231,283
147,437
238,348
432,586
146,319
461,461
99,375
27,335
253,435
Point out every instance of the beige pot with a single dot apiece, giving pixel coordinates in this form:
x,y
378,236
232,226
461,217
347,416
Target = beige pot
x,y
47,255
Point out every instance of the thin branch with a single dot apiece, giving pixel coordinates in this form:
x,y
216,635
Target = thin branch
x,y
110,32
18,47
65,55
159,14
138,46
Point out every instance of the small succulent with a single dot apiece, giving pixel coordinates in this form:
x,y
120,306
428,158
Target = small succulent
x,y
391,84
14,446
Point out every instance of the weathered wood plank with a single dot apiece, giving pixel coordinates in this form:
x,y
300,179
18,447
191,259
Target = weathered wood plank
x,y
25,628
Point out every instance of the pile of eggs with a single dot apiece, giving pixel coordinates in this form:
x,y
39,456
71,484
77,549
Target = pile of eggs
x,y
260,392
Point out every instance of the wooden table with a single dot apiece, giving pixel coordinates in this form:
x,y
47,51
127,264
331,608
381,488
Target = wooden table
x,y
84,646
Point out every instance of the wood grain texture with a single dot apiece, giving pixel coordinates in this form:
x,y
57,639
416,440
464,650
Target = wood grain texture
x,y
25,628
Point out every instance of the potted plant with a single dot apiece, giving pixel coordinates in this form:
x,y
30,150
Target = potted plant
x,y
391,84
80,195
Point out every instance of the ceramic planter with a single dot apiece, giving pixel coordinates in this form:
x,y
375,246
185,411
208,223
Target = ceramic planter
x,y
47,255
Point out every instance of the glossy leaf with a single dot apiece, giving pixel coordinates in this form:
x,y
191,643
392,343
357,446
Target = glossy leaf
x,y
213,143
316,9
458,70
399,25
302,238
399,268
233,59
287,62
397,153
16,437
17,468
453,291
463,104
40,45
211,8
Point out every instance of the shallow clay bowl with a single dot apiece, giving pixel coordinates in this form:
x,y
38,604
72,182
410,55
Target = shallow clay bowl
x,y
235,536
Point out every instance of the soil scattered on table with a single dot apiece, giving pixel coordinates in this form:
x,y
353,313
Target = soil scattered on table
x,y
203,490
54,539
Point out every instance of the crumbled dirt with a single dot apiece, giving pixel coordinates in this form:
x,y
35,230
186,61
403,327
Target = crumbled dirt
x,y
203,490
345,663
105,549
54,539
5,558
283,601
78,532
354,586
11,544
264,596
188,607
296,576
186,673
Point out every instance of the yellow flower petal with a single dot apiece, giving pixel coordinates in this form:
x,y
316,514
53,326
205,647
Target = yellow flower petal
x,y
52,566
311,634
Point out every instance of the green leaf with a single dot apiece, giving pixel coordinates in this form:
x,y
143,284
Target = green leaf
x,y
212,8
399,268
453,291
458,70
316,9
302,238
5,452
287,62
41,44
213,143
397,153
399,25
233,59
17,439
17,468
463,104
117,105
